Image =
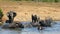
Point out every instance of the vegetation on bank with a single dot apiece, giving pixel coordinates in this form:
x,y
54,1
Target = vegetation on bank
x,y
1,15
40,0
35,0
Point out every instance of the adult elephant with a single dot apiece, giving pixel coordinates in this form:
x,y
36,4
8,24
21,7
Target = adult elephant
x,y
46,23
10,23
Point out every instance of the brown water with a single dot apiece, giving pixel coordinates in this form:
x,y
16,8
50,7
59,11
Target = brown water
x,y
55,29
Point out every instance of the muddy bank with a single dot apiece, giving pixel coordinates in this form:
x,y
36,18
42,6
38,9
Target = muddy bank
x,y
24,10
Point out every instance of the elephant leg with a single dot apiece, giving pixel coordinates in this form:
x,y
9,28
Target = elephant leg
x,y
40,27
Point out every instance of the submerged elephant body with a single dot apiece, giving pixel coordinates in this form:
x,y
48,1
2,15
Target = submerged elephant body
x,y
13,25
46,23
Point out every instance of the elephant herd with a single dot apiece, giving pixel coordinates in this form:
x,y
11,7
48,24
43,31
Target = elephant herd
x,y
36,22
41,23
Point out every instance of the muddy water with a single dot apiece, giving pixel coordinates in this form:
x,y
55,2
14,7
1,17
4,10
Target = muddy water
x,y
55,29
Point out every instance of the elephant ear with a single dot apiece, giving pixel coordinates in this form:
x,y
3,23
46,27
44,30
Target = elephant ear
x,y
14,14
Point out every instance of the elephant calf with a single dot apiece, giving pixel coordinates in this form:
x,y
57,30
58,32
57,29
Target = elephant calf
x,y
11,15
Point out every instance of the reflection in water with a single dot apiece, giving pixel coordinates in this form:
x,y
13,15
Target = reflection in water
x,y
55,29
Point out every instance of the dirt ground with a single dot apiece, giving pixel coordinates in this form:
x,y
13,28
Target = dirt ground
x,y
24,10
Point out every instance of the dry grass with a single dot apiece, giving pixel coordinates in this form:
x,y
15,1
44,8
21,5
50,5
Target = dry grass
x,y
24,10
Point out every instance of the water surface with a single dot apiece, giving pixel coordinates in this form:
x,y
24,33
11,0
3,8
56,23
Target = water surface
x,y
55,29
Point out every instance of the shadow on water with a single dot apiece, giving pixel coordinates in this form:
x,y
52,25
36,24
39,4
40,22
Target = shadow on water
x,y
55,29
